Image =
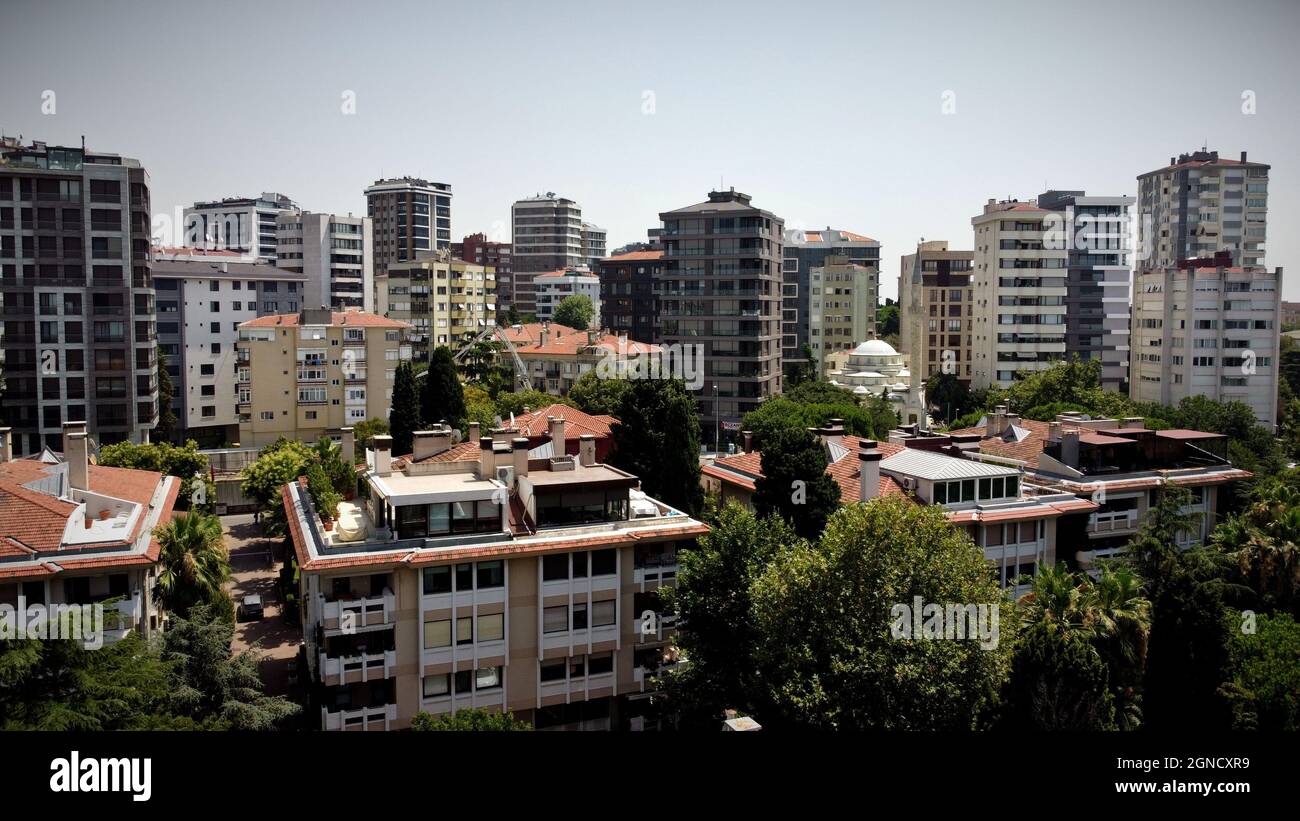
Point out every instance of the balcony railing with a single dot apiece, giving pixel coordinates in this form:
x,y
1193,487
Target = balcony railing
x,y
1112,522
363,612
362,718
358,668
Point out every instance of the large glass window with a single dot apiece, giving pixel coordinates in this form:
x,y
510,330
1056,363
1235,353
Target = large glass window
x,y
491,574
602,613
439,685
437,580
555,567
437,633
491,627
555,619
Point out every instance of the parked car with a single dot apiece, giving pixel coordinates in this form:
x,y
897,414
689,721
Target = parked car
x,y
251,608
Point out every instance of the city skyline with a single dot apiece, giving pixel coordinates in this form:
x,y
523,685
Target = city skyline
x,y
858,136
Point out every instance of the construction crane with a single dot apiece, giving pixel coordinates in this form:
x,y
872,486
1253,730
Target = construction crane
x,y
521,371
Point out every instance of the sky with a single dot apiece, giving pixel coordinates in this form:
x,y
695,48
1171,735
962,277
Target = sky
x,y
895,120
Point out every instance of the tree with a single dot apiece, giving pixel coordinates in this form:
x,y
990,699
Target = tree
x,y
826,618
182,461
328,454
599,396
1058,682
210,685
276,465
1263,544
193,565
814,404
657,438
404,417
323,495
948,395
802,371
165,429
365,433
475,719
712,601
442,397
794,484
887,319
575,312
1267,675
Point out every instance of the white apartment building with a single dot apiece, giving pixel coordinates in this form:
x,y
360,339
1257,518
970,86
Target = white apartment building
x,y
593,244
245,224
841,307
1208,331
336,255
554,287
547,236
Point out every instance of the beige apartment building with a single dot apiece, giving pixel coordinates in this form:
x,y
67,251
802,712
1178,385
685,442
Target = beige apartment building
x,y
307,375
936,298
504,582
446,301
841,307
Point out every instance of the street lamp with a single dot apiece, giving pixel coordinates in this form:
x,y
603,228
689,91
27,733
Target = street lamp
x,y
717,422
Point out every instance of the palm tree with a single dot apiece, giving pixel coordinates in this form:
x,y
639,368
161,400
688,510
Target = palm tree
x,y
194,564
1264,544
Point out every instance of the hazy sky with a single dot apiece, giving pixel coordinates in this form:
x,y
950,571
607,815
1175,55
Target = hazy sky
x,y
826,113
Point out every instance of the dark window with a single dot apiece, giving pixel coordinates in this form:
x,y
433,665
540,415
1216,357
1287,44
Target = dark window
x,y
464,577
491,574
437,580
555,567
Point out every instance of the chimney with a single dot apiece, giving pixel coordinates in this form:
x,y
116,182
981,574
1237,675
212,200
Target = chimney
x,y
1070,447
587,450
348,448
6,445
748,439
1243,156
70,428
996,421
1134,422
430,443
487,458
543,335
1012,419
77,456
869,468
519,452
555,427
474,434
383,446
1054,431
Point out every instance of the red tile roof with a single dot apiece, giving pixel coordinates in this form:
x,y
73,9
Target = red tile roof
x,y
531,333
635,256
351,319
572,344
846,472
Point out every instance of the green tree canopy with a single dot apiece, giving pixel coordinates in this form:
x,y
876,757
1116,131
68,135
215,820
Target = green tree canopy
x,y
475,719
165,429
599,396
182,461
442,396
1267,680
277,465
794,484
657,438
575,312
404,417
193,564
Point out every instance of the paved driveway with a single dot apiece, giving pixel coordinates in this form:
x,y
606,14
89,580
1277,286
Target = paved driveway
x,y
255,564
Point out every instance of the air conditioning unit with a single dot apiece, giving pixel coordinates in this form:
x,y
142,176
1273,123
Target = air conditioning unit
x,y
506,475
909,483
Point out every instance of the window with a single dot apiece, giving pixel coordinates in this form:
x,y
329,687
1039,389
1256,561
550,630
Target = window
x,y
555,619
465,630
553,670
580,616
487,678
209,370
439,685
579,565
604,562
437,633
437,580
491,574
602,613
215,347
492,627
555,567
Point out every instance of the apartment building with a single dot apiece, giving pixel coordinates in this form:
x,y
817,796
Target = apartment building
x,y
547,233
593,244
78,295
306,375
202,299
77,533
1018,320
336,254
1290,314
561,360
506,583
628,301
805,250
1199,205
1014,523
936,300
243,224
553,287
445,301
1209,331
1097,307
410,216
1118,464
719,289
841,307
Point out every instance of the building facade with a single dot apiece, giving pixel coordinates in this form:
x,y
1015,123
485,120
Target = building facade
x,y
805,250
79,334
341,367
553,287
547,233
841,307
936,299
411,216
593,244
1199,205
628,301
1208,331
720,290
445,301
243,224
336,256
203,298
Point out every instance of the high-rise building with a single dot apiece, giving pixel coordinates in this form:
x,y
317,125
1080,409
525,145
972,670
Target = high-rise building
x,y
1200,205
491,574
334,253
243,224
593,244
1098,276
628,302
935,301
446,301
78,295
411,216
720,290
841,307
553,287
805,250
203,297
1207,330
547,232
342,367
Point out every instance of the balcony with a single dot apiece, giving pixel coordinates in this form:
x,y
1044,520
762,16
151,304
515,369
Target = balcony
x,y
1119,521
359,612
311,374
357,668
363,718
